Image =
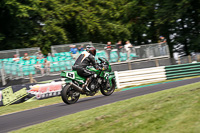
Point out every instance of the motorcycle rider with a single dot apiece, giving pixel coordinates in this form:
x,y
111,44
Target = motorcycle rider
x,y
86,58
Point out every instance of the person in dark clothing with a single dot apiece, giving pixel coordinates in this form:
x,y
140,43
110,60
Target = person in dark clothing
x,y
119,47
87,58
162,46
81,49
162,39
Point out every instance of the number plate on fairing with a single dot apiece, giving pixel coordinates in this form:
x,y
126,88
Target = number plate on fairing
x,y
106,75
70,75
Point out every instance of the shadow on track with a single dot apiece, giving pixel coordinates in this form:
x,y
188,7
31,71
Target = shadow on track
x,y
82,100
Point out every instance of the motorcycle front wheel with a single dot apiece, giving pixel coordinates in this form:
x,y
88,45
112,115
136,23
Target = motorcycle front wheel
x,y
69,95
109,89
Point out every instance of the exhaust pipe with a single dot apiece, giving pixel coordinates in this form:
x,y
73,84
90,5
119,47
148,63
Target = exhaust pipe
x,y
77,88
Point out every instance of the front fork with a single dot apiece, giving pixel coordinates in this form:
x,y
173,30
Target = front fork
x,y
111,77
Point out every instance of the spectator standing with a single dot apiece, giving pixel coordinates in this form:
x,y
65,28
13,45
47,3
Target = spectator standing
x,y
26,57
108,49
40,55
80,49
38,66
127,47
162,40
47,66
119,47
162,45
16,58
73,51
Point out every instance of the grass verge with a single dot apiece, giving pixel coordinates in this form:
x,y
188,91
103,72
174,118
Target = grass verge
x,y
30,105
175,110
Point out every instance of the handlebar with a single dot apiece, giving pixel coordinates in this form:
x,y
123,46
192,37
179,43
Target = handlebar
x,y
101,60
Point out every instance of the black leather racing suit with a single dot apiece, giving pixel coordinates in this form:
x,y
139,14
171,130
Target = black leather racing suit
x,y
84,60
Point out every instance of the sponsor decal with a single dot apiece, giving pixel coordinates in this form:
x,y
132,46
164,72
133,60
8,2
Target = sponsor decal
x,y
70,75
46,90
8,97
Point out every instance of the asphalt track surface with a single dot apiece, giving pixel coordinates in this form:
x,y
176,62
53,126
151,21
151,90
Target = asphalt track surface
x,y
30,117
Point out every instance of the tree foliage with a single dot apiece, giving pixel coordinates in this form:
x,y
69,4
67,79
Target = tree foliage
x,y
30,23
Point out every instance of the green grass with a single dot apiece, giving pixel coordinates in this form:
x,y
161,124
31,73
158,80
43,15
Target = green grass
x,y
173,111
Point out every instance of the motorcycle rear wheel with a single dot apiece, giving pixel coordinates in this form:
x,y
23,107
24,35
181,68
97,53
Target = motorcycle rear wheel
x,y
108,90
68,95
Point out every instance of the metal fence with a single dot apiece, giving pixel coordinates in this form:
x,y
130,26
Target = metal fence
x,y
20,52
142,51
151,50
66,47
13,70
153,62
145,56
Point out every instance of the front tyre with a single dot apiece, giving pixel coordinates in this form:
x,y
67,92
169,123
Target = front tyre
x,y
69,95
108,90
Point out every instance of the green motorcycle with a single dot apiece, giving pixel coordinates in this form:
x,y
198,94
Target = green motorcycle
x,y
104,80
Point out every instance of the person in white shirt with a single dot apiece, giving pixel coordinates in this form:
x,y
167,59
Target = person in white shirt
x,y
127,47
16,58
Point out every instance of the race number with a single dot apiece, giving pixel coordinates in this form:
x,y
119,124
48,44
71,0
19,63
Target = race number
x,y
106,75
70,75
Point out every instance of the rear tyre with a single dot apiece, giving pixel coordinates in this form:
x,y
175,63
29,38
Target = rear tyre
x,y
69,95
108,90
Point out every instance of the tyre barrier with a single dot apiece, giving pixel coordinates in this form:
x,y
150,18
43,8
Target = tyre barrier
x,y
182,70
156,74
139,76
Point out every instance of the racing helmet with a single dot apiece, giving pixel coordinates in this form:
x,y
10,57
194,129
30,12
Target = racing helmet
x,y
92,50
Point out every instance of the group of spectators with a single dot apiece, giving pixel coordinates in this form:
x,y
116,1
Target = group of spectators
x,y
75,51
128,46
38,65
119,46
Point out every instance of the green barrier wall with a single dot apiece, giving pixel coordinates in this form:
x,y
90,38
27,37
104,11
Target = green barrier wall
x,y
182,70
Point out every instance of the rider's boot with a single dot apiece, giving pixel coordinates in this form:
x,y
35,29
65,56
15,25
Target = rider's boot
x,y
85,86
88,80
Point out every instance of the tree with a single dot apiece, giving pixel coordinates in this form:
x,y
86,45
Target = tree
x,y
28,23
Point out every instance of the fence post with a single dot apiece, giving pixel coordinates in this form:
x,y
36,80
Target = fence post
x,y
189,59
157,63
3,74
17,52
179,60
129,65
198,57
3,77
52,49
21,71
